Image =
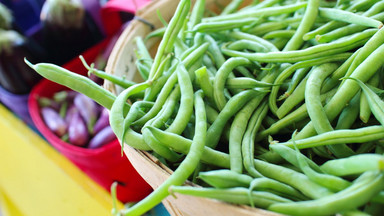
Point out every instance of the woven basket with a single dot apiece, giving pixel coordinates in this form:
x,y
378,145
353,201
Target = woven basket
x,y
122,63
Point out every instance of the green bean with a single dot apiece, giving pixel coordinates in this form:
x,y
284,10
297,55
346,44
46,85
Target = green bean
x,y
232,7
335,47
181,144
248,45
202,78
345,16
167,110
297,77
288,71
166,44
360,135
271,11
345,30
233,195
155,33
106,76
293,178
221,77
334,183
75,82
261,4
334,79
297,96
184,170
232,106
306,24
336,24
323,29
143,55
278,188
347,90
159,149
195,18
365,110
248,144
142,68
315,108
245,83
186,101
267,27
215,51
293,117
242,35
238,128
290,155
212,113
350,198
279,34
157,121
349,114
374,101
160,100
118,122
224,178
218,26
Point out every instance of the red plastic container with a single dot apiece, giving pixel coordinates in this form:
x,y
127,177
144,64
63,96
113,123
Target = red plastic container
x,y
104,165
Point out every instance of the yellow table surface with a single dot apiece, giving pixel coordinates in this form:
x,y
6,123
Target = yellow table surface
x,y
36,180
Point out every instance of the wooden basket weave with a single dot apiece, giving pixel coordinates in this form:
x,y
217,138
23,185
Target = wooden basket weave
x,y
122,63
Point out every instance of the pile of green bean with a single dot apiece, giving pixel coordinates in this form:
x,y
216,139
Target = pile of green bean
x,y
273,104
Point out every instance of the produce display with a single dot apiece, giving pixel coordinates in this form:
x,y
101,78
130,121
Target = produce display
x,y
274,104
77,119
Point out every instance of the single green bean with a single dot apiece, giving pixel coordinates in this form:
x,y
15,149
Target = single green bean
x,y
306,24
232,7
75,82
237,195
223,178
349,17
334,47
365,110
246,83
360,135
208,27
279,34
270,11
186,102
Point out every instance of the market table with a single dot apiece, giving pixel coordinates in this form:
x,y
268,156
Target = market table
x,y
37,180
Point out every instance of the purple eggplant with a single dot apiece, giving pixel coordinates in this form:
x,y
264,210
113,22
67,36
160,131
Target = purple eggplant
x,y
105,136
102,122
77,130
88,109
72,110
54,121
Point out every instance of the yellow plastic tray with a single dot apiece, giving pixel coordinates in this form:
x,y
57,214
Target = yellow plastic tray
x,y
36,180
